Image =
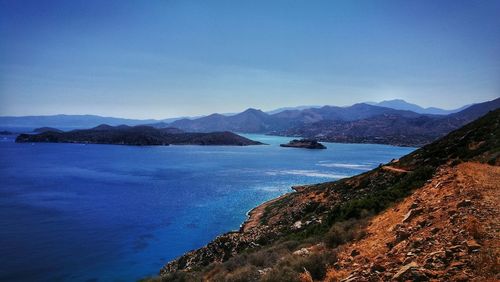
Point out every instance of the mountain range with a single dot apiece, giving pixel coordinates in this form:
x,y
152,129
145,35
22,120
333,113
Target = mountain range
x,y
359,123
396,123
403,105
88,121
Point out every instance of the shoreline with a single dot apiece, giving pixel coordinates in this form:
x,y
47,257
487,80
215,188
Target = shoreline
x,y
255,214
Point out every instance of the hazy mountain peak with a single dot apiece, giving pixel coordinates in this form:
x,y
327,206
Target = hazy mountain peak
x,y
252,110
400,104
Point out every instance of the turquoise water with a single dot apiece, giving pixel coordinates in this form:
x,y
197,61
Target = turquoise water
x,y
71,212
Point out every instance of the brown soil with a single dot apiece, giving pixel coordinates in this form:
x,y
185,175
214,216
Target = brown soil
x,y
446,231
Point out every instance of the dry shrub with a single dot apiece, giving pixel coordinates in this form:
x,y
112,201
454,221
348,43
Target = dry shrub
x,y
281,274
305,276
292,266
345,231
242,274
333,275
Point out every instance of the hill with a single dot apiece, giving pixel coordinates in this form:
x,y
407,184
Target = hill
x,y
136,135
411,219
46,129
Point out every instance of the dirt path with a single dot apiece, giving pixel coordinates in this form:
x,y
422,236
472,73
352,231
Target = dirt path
x,y
391,168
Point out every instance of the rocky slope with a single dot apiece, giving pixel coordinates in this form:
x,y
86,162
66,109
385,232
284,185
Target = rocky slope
x,y
137,135
313,233
448,231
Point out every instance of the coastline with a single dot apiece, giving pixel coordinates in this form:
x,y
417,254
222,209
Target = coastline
x,y
254,215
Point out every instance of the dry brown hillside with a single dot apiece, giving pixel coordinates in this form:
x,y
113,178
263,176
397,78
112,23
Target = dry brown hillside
x,y
448,231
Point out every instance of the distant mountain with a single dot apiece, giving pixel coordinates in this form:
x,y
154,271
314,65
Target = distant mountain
x,y
279,110
249,121
73,121
257,121
46,129
477,110
67,121
400,104
136,135
391,128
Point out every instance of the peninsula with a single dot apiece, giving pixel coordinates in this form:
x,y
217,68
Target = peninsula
x,y
137,135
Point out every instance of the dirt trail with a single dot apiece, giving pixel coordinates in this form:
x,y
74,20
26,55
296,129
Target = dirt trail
x,y
391,168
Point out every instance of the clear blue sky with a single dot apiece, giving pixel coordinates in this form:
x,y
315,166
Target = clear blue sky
x,y
158,59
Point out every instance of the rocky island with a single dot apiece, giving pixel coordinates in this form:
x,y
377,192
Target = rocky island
x,y
137,135
432,215
304,143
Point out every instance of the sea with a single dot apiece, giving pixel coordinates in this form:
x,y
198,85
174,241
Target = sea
x,y
73,212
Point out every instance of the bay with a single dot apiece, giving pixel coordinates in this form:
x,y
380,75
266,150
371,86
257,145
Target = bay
x,y
72,212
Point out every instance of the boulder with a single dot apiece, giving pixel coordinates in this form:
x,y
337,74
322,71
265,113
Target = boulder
x,y
411,214
472,245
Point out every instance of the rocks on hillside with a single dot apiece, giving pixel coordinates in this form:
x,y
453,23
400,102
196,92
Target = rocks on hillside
x,y
444,236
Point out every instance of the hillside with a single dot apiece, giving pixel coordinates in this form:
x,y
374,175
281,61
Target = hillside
x,y
314,232
448,230
136,135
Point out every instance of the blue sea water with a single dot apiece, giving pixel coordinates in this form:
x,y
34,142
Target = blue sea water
x,y
71,212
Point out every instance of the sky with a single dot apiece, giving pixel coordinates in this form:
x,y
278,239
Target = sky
x,y
163,58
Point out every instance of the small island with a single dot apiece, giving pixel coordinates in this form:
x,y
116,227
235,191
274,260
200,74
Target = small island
x,y
304,143
138,136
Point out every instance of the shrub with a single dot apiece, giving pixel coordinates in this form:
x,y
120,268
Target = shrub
x,y
343,232
242,274
281,274
181,276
